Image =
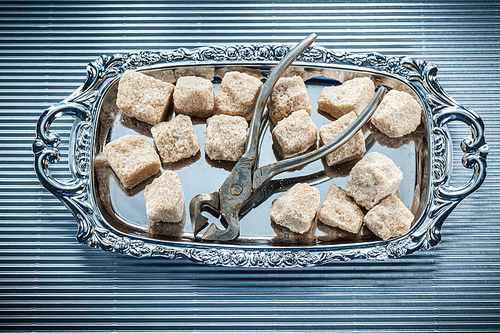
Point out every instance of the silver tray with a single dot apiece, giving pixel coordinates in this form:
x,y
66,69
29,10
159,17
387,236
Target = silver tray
x,y
112,219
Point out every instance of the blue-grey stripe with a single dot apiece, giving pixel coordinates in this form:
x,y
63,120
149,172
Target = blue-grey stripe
x,y
49,282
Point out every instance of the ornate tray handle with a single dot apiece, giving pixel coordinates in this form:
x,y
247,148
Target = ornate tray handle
x,y
45,149
445,197
474,147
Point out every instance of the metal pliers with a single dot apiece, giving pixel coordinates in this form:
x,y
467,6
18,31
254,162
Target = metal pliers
x,y
246,187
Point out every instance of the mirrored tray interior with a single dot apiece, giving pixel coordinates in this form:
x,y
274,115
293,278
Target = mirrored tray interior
x,y
125,210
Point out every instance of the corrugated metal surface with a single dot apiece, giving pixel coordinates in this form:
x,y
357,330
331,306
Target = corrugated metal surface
x,y
48,282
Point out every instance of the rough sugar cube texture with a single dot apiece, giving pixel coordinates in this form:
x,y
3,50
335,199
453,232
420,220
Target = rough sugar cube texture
x,y
165,198
372,179
340,211
144,97
237,95
295,134
352,95
289,95
175,139
398,114
389,219
296,209
352,149
194,96
225,137
133,159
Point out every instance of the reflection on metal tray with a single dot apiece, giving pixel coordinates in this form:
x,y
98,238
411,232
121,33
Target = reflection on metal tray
x,y
114,219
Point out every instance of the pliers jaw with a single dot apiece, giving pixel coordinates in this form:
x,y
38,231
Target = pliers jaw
x,y
210,203
204,202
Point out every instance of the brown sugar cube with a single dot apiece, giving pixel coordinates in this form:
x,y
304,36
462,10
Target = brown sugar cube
x,y
340,211
398,114
296,208
389,219
206,72
194,96
352,149
133,159
175,139
165,198
352,95
372,179
225,137
289,95
295,134
144,97
237,95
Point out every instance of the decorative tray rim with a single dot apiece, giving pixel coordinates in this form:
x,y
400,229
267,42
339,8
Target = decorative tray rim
x,y
77,195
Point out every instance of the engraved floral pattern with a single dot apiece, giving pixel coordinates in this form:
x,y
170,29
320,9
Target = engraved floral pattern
x,y
94,231
440,155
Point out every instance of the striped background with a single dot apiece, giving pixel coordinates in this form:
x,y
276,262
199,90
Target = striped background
x,y
48,282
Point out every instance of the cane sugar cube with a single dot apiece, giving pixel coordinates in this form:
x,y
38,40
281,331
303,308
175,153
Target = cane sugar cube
x,y
295,134
389,219
144,97
175,139
194,96
341,211
237,95
296,209
398,114
165,198
352,95
372,179
226,137
206,72
133,159
352,149
289,95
